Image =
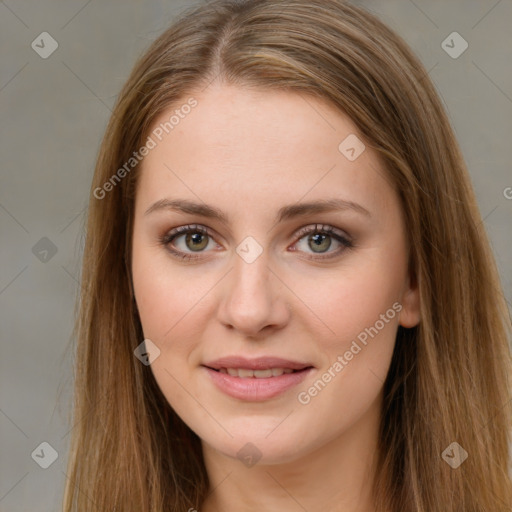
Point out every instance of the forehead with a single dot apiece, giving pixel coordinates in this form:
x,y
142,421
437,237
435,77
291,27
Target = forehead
x,y
257,123
244,146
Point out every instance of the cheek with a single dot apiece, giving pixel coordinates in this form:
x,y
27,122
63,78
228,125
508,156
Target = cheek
x,y
358,309
347,302
363,316
166,295
357,347
167,303
171,301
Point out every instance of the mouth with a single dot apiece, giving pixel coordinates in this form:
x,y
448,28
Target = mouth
x,y
264,363
247,373
256,380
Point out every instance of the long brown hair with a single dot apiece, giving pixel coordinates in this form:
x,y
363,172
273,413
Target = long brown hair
x,y
449,377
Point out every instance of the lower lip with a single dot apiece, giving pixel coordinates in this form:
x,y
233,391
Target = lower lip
x,y
253,389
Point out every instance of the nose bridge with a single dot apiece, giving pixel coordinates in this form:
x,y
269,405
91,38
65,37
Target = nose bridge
x,y
250,302
250,279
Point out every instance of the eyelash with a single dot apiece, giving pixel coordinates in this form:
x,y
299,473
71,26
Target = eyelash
x,y
169,237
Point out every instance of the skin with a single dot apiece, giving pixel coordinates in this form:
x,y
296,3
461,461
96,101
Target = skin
x,y
248,153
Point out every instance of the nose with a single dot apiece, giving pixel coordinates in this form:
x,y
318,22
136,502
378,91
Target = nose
x,y
253,298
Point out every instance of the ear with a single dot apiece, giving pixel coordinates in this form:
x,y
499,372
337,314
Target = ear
x,y
410,313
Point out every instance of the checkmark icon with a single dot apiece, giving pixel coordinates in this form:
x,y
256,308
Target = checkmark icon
x,y
45,455
44,250
351,147
44,45
146,352
249,249
454,45
249,454
454,455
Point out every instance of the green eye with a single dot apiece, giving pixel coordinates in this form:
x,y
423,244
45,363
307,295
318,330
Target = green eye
x,y
319,240
197,238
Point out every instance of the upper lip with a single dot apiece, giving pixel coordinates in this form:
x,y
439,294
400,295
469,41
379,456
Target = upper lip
x,y
259,363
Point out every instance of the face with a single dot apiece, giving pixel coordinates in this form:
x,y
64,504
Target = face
x,y
275,321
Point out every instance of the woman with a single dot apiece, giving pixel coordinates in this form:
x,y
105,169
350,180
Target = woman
x,y
289,301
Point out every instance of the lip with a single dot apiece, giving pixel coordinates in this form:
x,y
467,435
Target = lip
x,y
259,363
254,389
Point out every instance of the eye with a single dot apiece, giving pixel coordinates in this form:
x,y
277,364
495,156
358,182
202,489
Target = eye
x,y
197,238
319,238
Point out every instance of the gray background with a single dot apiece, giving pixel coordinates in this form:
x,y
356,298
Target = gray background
x,y
54,112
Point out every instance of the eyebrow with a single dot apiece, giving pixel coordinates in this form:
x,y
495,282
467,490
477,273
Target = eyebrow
x,y
284,213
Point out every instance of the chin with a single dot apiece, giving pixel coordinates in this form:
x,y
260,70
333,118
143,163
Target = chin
x,y
261,443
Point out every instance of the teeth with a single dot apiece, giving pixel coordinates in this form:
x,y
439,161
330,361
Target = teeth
x,y
244,373
261,374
